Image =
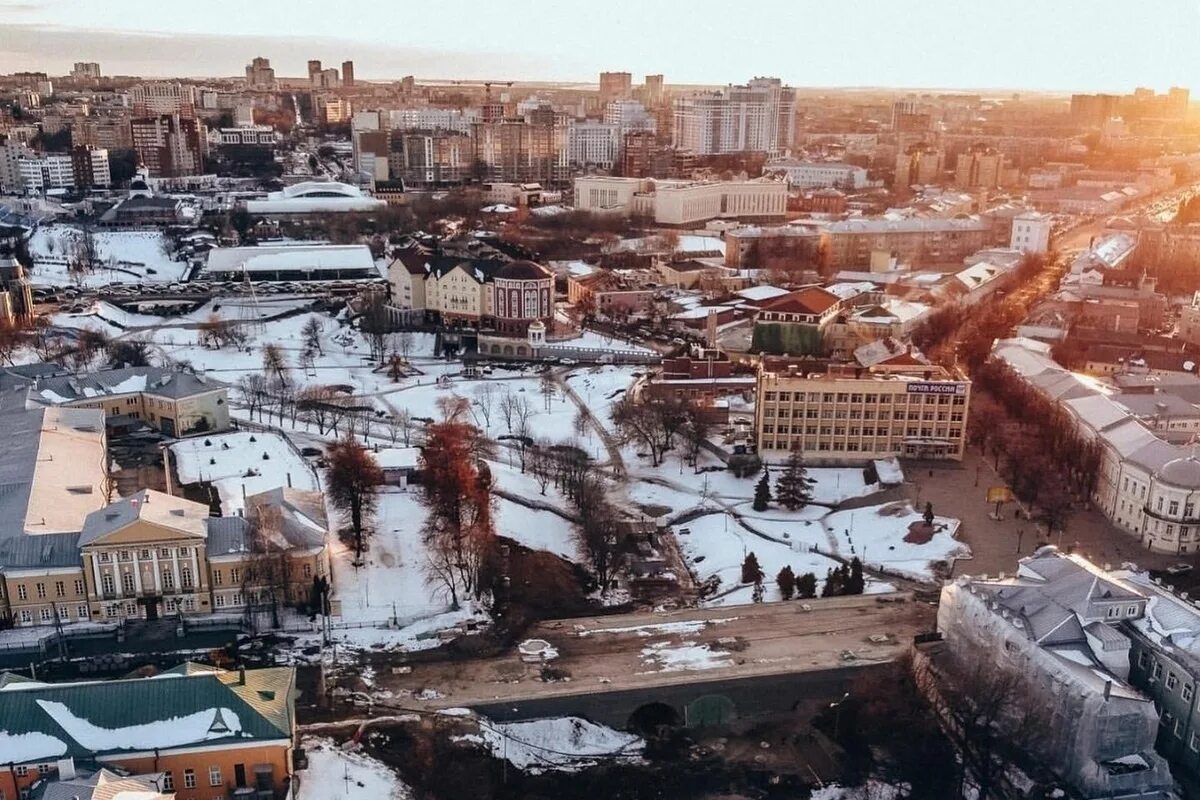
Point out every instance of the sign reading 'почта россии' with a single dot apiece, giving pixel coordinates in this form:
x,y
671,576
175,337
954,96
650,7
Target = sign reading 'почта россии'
x,y
937,388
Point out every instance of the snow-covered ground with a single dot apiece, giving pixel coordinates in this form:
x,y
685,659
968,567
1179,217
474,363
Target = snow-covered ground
x,y
337,773
716,545
241,464
564,744
871,790
392,579
537,529
876,534
684,657
122,257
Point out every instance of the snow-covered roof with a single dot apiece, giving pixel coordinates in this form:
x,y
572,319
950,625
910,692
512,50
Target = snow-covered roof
x,y
399,457
332,257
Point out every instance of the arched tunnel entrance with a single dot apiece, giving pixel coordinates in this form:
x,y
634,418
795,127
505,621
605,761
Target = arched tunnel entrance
x,y
653,720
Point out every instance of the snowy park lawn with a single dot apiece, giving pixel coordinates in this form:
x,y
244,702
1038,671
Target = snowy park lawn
x,y
391,581
343,359
676,500
564,744
123,257
335,773
536,529
717,546
876,535
234,463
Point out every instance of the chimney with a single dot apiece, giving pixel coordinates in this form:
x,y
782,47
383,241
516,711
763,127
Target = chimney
x,y
289,480
1107,689
242,677
66,769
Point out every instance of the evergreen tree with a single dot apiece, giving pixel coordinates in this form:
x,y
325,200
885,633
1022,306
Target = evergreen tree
x,y
929,513
762,493
793,488
751,571
833,583
855,584
786,580
806,586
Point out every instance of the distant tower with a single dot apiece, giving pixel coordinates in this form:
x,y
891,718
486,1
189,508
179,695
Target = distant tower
x,y
314,66
347,73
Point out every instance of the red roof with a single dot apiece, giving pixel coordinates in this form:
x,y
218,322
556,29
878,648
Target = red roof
x,y
811,300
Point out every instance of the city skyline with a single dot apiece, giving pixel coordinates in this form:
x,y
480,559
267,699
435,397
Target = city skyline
x,y
1070,46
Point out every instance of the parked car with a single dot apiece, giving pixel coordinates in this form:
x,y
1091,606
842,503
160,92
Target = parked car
x,y
1179,569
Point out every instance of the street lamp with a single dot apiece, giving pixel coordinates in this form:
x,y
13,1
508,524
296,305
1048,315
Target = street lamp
x,y
837,717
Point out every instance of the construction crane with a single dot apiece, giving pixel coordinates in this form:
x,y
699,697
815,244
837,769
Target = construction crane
x,y
487,85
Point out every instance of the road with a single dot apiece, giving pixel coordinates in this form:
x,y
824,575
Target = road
x,y
650,650
1078,238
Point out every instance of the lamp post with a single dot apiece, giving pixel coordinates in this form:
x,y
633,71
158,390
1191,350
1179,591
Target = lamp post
x,y
837,717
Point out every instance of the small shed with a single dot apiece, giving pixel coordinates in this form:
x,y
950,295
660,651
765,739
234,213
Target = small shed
x,y
398,464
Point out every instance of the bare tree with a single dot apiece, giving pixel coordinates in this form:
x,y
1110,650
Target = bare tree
x,y
548,388
374,323
311,336
275,363
652,424
459,528
484,403
253,388
404,344
541,463
267,575
989,709
11,339
351,480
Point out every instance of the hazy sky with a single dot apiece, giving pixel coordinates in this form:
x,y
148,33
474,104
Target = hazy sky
x,y
1034,44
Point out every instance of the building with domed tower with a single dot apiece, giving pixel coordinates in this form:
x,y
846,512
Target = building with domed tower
x,y
520,293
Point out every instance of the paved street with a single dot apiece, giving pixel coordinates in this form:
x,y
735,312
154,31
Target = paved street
x,y
954,492
639,651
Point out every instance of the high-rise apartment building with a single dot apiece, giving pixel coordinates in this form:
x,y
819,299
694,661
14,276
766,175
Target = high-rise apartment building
x,y
347,73
1178,99
629,115
757,117
12,153
48,173
106,133
170,145
522,151
430,158
90,167
314,66
1093,109
162,97
592,143
652,91
615,86
979,168
260,76
85,71
920,164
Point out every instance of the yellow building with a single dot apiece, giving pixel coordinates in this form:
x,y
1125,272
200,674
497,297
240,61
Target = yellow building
x,y
175,402
850,414
68,555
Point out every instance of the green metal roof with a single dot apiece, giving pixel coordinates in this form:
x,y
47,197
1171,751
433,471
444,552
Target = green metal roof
x,y
177,709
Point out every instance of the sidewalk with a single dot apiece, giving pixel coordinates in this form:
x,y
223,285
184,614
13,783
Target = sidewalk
x,y
959,490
